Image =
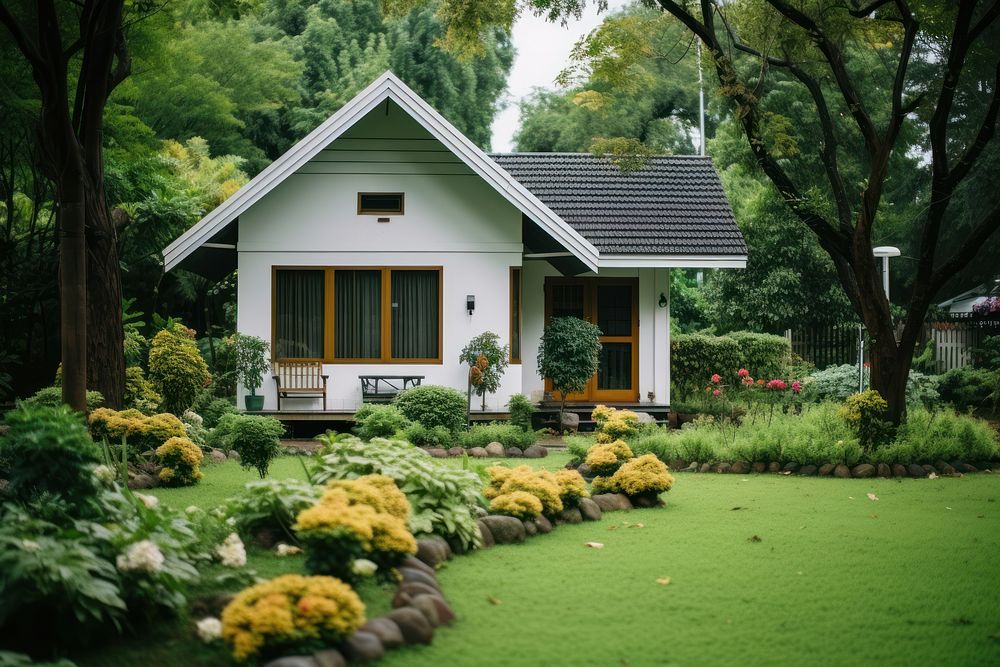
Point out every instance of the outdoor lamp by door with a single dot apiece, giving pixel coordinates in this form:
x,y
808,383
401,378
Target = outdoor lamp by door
x,y
470,303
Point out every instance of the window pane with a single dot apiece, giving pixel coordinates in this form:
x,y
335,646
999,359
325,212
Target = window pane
x,y
615,369
357,323
415,314
380,202
515,314
298,325
614,310
567,301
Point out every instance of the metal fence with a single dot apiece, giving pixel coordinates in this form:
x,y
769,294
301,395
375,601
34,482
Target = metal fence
x,y
826,345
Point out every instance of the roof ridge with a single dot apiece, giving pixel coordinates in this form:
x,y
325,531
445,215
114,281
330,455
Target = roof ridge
x,y
583,154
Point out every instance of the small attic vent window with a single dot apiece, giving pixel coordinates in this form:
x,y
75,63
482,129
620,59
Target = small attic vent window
x,y
380,203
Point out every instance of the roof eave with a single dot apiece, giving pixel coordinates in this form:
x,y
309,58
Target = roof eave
x,y
673,261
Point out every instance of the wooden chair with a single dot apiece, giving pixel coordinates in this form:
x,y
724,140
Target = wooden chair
x,y
300,379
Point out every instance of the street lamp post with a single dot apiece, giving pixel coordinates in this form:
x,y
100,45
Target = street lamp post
x,y
885,252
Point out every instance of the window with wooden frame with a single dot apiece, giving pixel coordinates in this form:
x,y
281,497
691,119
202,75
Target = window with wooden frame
x,y
380,203
516,291
357,314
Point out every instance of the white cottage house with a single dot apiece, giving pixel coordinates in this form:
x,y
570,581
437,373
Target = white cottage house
x,y
384,240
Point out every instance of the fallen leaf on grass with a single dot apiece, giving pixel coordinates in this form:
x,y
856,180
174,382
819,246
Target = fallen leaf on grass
x,y
947,508
594,545
492,600
872,496
736,508
755,538
850,497
663,581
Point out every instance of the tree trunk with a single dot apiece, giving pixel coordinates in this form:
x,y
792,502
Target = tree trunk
x,y
72,290
105,344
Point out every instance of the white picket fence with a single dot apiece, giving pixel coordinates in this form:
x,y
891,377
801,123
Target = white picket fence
x,y
954,342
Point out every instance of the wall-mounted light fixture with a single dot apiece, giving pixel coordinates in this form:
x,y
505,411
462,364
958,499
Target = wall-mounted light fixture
x,y
663,300
470,303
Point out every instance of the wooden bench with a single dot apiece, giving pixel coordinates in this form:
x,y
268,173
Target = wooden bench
x,y
300,379
383,388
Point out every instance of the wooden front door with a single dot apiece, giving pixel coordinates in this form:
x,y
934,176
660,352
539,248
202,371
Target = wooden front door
x,y
613,305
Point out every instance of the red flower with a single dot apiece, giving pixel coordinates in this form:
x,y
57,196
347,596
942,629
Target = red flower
x,y
748,381
716,378
796,386
743,373
777,385
717,393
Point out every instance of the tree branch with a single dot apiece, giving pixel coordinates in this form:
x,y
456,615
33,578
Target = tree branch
x,y
24,43
983,137
972,244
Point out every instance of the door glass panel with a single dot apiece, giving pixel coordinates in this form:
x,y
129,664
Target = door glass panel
x,y
615,370
567,301
614,310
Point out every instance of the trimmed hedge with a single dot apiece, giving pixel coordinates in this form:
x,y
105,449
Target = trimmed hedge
x,y
695,357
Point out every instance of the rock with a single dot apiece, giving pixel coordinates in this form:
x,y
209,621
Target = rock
x,y
414,588
589,510
293,661
722,467
412,575
140,481
456,451
692,467
963,467
677,464
645,418
569,515
387,632
740,468
535,452
544,525
705,467
434,608
530,528
863,470
899,470
774,466
647,501
363,647
826,469
217,456
758,467
808,470
432,551
401,599
478,452
412,624
234,455
514,452
505,529
417,564
945,468
791,467
332,657
437,452
484,532
584,470
842,471
495,449
479,511
916,471
928,468
884,470
612,502
570,422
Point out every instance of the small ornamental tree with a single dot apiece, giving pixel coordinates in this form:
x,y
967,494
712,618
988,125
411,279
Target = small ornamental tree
x,y
568,355
251,361
176,368
485,376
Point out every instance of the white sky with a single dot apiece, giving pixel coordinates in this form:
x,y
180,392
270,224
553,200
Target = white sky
x,y
542,51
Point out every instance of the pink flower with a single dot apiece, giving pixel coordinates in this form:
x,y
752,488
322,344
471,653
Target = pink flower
x,y
796,386
743,373
716,378
777,385
748,381
717,393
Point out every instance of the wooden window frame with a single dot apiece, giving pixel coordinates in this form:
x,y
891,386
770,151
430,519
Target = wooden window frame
x,y
516,284
391,211
327,329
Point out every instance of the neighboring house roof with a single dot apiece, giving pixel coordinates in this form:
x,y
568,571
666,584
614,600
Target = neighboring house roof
x,y
972,296
674,205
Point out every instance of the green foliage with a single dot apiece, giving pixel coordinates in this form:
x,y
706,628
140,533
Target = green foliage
x,y
252,360
47,453
837,383
271,505
485,345
865,412
215,410
577,445
925,361
442,497
987,355
764,355
181,460
568,353
144,432
254,437
139,393
695,357
52,397
424,436
970,388
521,409
176,368
376,420
480,435
434,405
941,435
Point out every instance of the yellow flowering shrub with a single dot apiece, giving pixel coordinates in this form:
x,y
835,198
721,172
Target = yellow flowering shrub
x,y
613,424
572,487
377,491
498,475
520,504
606,458
290,614
646,475
540,483
601,485
143,432
181,461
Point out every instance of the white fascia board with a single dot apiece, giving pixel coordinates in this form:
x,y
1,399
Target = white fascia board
x,y
673,261
386,87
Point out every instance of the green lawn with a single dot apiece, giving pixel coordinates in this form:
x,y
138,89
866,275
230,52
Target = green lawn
x,y
834,578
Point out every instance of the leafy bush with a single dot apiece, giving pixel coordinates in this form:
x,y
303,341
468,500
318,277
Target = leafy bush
x,y
181,461
487,360
661,443
568,354
376,420
518,504
52,397
764,355
214,410
442,497
695,357
642,476
139,393
47,452
970,388
290,614
836,383
572,487
176,368
254,437
942,435
422,436
521,409
613,424
987,355
434,405
541,484
252,360
606,458
577,445
865,412
143,432
480,435
271,505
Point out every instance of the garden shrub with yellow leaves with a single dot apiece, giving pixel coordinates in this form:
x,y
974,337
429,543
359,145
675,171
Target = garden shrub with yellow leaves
x,y
642,476
143,432
181,460
355,519
572,487
604,459
614,424
519,504
290,614
540,483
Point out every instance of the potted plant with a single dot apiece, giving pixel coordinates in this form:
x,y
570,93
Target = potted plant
x,y
252,362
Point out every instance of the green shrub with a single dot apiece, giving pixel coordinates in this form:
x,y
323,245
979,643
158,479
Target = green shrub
x,y
376,420
699,442
434,405
423,436
836,383
970,388
661,443
254,437
568,354
52,397
577,445
865,413
214,410
521,409
764,355
139,393
271,505
252,360
176,368
944,435
987,355
695,357
48,452
442,496
480,435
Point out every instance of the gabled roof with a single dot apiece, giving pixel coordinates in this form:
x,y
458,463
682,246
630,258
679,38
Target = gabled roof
x,y
673,206
386,87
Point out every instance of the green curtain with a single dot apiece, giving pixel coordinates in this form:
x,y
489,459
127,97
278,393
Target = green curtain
x,y
415,314
299,305
357,323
